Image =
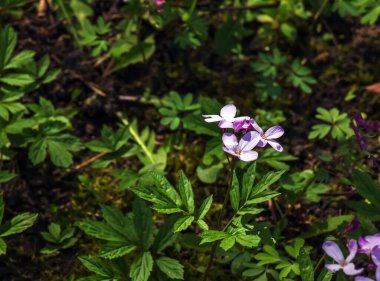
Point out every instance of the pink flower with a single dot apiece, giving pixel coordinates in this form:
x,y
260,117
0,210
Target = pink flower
x,y
332,250
243,148
226,117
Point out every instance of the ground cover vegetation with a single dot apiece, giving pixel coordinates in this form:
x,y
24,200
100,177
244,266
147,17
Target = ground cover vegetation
x,y
153,140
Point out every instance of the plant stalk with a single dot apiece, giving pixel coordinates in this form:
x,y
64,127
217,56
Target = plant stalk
x,y
219,221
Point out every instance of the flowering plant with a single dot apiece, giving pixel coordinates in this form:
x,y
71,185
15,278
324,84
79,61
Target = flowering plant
x,y
368,245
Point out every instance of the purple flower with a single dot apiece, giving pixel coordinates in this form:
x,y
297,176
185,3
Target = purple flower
x,y
332,249
352,226
243,123
363,278
368,243
269,136
376,259
226,117
243,148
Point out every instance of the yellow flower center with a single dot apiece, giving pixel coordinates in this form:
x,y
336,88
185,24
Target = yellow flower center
x,y
264,136
237,151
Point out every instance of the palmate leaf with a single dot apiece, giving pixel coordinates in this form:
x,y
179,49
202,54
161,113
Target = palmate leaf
x,y
141,267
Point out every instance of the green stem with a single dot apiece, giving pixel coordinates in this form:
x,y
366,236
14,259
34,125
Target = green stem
x,y
141,144
219,221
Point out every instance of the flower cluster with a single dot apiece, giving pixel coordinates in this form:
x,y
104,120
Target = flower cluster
x,y
252,135
369,245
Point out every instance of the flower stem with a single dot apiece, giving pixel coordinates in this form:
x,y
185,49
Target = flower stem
x,y
219,220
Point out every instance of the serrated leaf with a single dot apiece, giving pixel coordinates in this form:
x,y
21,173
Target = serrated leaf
x,y
205,207
171,267
183,223
186,192
142,218
18,224
112,250
212,235
141,267
17,79
305,265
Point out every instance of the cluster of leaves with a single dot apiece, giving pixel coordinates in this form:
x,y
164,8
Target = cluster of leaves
x,y
15,225
58,238
38,127
274,72
367,10
337,124
131,247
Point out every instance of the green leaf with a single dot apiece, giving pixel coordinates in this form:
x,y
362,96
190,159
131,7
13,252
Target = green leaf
x,y
112,250
3,247
186,192
20,59
141,267
165,235
367,187
95,265
325,275
171,267
142,218
139,53
6,176
248,240
183,223
37,151
59,154
205,207
18,224
234,192
8,40
269,179
17,79
212,235
101,231
305,265
248,180
227,243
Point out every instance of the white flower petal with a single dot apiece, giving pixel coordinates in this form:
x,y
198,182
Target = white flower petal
x,y
274,132
248,156
212,118
275,145
249,141
230,141
225,124
228,112
349,269
333,267
332,250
